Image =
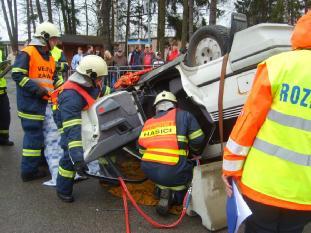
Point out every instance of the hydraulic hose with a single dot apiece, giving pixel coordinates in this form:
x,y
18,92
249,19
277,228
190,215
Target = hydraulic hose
x,y
126,212
126,193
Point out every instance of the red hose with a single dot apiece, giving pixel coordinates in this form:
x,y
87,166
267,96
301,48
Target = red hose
x,y
126,212
144,215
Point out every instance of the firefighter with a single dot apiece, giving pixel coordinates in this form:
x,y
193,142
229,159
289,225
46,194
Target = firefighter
x,y
269,152
52,150
61,62
35,77
5,112
164,144
76,95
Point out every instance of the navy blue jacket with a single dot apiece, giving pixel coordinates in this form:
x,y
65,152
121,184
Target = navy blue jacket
x,y
68,118
28,102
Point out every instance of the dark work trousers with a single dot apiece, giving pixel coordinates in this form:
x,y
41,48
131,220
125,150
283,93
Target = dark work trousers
x,y
66,174
271,219
32,145
4,117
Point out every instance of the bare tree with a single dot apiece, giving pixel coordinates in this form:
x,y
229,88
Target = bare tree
x,y
33,17
28,19
73,18
49,8
127,30
11,21
39,11
191,3
161,26
103,15
213,12
184,33
86,17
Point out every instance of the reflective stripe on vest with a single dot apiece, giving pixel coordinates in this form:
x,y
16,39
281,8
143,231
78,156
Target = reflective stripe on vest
x,y
160,140
40,70
279,162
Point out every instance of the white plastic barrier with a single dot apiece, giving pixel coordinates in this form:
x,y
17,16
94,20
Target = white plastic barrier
x,y
209,196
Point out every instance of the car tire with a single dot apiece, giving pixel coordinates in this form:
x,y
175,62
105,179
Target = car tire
x,y
207,44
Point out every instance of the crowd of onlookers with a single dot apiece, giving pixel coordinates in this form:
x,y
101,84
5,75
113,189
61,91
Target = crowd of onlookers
x,y
139,57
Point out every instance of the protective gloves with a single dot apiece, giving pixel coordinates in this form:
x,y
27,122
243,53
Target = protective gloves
x,y
81,168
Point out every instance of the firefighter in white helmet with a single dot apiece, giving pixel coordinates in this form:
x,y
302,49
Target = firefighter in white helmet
x,y
35,76
77,94
165,142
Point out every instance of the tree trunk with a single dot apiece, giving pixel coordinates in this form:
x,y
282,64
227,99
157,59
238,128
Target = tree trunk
x,y
33,16
86,17
128,11
68,13
49,7
190,18
39,11
73,18
161,26
213,12
28,20
113,21
104,11
184,33
11,22
286,16
64,13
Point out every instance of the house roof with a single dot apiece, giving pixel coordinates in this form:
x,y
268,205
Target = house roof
x,y
82,39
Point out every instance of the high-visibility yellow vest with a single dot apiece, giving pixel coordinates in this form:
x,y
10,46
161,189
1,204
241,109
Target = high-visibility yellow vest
x,y
159,137
279,163
56,53
2,79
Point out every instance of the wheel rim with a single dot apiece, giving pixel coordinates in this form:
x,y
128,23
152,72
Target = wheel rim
x,y
207,50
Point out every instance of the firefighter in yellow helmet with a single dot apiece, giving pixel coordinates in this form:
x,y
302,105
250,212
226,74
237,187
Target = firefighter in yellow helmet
x,y
77,94
269,150
165,142
35,76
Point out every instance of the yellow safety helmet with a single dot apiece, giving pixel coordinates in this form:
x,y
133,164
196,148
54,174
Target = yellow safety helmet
x,y
46,30
165,95
92,66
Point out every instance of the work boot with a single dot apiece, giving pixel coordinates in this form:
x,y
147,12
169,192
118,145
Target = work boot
x,y
65,198
33,176
165,202
6,143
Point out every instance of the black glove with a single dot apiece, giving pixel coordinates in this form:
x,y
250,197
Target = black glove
x,y
42,92
80,167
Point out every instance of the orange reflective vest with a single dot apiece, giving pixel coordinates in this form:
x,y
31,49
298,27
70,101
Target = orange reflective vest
x,y
68,85
40,70
159,137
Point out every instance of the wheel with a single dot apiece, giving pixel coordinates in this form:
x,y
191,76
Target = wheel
x,y
207,44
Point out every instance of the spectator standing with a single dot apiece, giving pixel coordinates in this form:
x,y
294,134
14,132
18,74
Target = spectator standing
x,y
147,57
129,58
136,59
76,59
98,51
90,50
173,53
157,61
119,59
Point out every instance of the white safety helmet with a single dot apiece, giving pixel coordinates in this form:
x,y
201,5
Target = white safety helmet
x,y
165,95
92,66
46,30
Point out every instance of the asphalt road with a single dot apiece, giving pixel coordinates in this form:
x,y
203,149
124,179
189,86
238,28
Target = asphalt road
x,y
34,208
